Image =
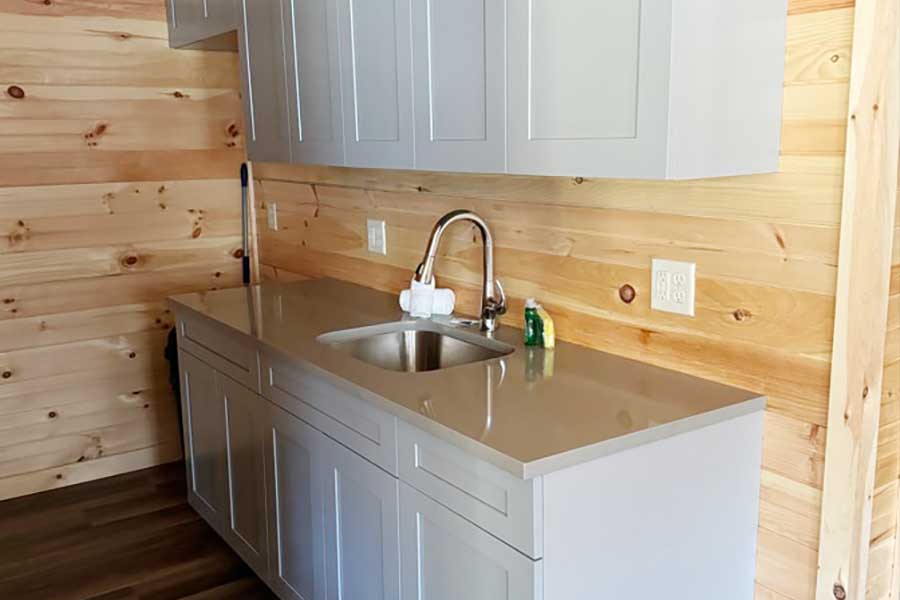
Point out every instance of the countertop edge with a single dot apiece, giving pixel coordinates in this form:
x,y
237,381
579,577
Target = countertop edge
x,y
521,470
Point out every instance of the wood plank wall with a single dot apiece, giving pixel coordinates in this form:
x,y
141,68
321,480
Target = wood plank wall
x,y
766,252
118,186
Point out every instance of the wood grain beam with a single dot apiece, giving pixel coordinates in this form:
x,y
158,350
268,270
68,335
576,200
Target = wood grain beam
x,y
867,230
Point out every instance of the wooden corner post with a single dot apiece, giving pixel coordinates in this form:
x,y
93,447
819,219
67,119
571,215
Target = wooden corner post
x,y
867,228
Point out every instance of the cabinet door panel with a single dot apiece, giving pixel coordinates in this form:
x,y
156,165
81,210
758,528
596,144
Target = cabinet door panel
x,y
246,416
205,450
222,14
263,63
296,508
459,53
588,87
377,77
361,528
445,557
314,82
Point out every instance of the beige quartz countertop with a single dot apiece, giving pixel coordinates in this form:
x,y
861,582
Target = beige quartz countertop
x,y
518,412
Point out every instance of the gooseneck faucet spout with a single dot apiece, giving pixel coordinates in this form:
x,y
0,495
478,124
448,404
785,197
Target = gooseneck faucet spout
x,y
493,300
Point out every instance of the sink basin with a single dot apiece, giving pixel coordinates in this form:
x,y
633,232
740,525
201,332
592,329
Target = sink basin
x,y
415,347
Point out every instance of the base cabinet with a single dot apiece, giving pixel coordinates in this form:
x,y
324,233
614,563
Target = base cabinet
x,y
245,425
203,410
361,527
445,557
297,525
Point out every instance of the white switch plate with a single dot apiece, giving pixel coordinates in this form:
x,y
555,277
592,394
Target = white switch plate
x,y
674,285
272,216
377,236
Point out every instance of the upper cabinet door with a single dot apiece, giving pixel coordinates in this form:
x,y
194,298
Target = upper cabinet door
x,y
588,86
222,14
263,63
314,82
377,82
459,56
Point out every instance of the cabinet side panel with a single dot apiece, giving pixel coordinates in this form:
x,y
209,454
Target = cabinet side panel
x,y
727,83
685,509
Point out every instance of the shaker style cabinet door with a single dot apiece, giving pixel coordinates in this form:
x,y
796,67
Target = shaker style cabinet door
x,y
459,57
445,557
361,527
377,82
203,410
187,19
314,82
296,508
588,87
263,65
246,417
222,15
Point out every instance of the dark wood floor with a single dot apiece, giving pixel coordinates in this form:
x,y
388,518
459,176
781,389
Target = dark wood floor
x,y
126,538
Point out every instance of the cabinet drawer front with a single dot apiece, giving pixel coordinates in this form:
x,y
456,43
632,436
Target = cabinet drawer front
x,y
364,429
444,557
225,350
507,507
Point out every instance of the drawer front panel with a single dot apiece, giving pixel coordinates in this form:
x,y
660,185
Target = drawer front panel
x,y
364,429
507,507
227,351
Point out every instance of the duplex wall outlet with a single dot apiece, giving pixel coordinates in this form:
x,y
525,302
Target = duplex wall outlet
x,y
377,236
272,216
674,286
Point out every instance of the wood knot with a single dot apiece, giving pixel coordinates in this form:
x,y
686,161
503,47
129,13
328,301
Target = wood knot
x,y
233,130
239,253
839,592
197,232
579,180
627,293
835,58
52,414
6,374
124,36
132,355
130,260
865,393
178,94
15,92
742,314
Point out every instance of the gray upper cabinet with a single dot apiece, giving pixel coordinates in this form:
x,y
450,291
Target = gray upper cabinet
x,y
459,58
375,54
314,82
192,22
650,89
264,70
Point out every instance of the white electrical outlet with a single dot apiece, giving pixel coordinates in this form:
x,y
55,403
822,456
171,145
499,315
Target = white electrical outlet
x,y
272,216
377,236
674,286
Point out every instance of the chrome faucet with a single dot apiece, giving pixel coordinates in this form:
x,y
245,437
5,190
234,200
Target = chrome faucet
x,y
493,300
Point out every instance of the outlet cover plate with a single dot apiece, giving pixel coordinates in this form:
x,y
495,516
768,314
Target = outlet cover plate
x,y
674,286
272,216
377,236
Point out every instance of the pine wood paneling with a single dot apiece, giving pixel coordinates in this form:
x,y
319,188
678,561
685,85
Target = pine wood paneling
x,y
766,249
118,187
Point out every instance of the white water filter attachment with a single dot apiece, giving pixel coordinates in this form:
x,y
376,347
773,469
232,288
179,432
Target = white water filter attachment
x,y
424,300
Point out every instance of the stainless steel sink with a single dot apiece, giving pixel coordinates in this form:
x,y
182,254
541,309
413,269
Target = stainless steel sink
x,y
415,346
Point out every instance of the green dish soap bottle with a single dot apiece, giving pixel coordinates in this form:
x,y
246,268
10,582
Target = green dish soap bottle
x,y
534,335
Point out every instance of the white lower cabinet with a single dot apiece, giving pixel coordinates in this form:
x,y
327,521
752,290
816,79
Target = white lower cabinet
x,y
296,509
445,557
361,527
245,425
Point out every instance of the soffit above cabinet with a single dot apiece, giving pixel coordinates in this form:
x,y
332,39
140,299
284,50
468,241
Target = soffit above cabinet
x,y
643,89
